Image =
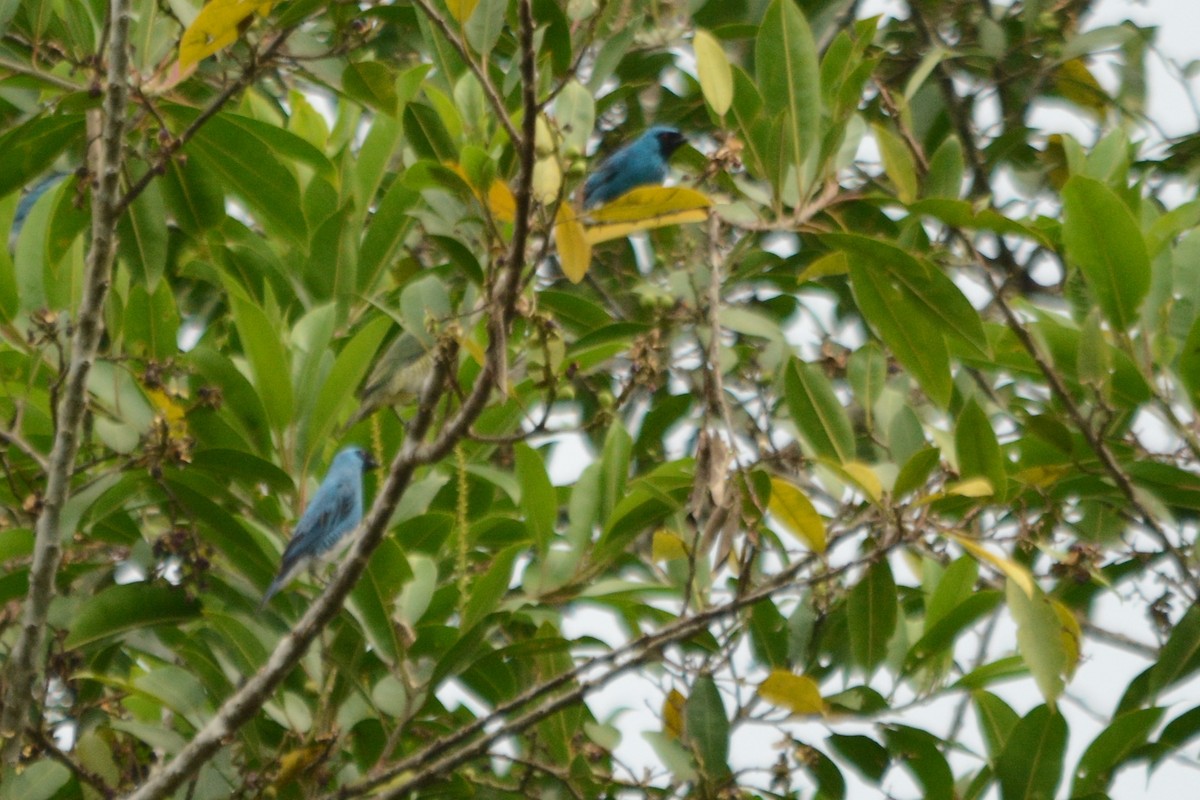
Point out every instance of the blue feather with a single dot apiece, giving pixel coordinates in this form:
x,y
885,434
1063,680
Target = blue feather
x,y
335,510
642,162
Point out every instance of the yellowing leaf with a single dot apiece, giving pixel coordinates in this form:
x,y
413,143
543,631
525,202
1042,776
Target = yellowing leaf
x,y
797,693
712,68
1072,634
646,208
972,487
834,263
866,479
1044,476
672,714
1075,82
667,546
172,412
295,762
795,512
216,27
648,202
574,249
1014,571
547,179
461,9
1040,639
501,201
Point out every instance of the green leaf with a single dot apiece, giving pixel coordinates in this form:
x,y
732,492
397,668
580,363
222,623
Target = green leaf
x,y
714,72
30,149
996,720
867,756
786,65
539,500
374,596
915,340
250,168
1112,748
925,288
1103,238
1039,638
818,413
977,449
946,169
344,377
707,728
915,471
919,752
897,163
371,83
119,609
40,780
941,637
143,236
485,25
872,613
1030,766
1180,656
487,591
1189,363
268,359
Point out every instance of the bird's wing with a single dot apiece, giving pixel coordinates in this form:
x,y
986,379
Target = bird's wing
x,y
322,522
607,173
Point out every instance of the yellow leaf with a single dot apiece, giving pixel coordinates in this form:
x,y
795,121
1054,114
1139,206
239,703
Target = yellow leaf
x,y
667,546
834,263
972,487
501,201
795,512
712,68
1075,82
866,479
648,202
1072,634
574,249
672,714
172,411
216,27
1045,476
797,693
295,762
547,179
461,9
1015,572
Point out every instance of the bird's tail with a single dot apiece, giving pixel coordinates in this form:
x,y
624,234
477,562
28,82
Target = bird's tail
x,y
275,586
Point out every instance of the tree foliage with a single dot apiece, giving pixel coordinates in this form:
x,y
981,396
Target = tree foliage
x,y
871,413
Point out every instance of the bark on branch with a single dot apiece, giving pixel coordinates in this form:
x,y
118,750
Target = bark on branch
x,y
23,684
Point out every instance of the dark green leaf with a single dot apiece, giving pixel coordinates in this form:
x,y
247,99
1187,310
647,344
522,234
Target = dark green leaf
x,y
119,609
872,615
1030,766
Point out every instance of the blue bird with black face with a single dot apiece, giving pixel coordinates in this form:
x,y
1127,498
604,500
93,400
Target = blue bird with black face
x,y
639,163
335,510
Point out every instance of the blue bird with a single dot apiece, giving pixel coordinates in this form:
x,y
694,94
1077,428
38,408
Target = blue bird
x,y
335,510
642,162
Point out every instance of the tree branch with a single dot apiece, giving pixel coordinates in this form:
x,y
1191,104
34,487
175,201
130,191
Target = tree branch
x,y
25,666
245,703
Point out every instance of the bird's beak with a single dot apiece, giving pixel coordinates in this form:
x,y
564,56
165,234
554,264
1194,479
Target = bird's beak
x,y
369,461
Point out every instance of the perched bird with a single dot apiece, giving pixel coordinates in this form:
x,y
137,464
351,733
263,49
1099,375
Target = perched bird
x,y
642,162
335,510
397,377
